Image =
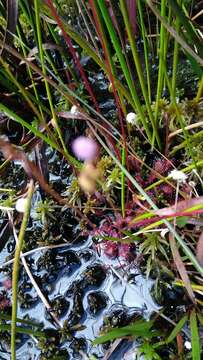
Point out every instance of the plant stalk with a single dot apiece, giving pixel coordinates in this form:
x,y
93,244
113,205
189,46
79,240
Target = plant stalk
x,y
15,274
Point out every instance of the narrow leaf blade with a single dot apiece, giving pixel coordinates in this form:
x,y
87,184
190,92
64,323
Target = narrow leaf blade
x,y
195,336
177,329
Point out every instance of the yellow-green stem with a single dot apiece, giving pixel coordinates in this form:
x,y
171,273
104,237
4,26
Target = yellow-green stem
x,y
15,273
200,90
24,93
41,54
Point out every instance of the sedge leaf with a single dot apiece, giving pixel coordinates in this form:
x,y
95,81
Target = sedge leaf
x,y
177,329
195,336
140,328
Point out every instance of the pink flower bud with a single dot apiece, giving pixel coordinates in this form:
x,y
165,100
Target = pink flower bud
x,y
85,148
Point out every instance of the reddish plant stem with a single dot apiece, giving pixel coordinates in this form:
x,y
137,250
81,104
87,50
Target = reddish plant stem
x,y
158,218
118,102
73,53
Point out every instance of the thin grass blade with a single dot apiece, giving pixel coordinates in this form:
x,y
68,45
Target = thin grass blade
x,y
196,352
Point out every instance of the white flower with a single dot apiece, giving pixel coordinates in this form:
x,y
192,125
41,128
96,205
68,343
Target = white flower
x,y
21,205
188,345
74,110
131,118
178,176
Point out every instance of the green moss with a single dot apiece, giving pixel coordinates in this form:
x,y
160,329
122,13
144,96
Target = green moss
x,y
68,7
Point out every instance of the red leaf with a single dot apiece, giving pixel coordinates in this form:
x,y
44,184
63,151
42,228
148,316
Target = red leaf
x,y
181,267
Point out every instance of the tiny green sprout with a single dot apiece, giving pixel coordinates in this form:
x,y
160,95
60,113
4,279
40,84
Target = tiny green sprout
x,y
147,350
104,164
67,330
153,245
7,204
44,210
73,193
89,206
113,180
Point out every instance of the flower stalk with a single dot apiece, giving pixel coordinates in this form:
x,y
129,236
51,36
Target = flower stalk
x,y
15,274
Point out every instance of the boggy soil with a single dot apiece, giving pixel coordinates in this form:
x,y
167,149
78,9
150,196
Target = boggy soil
x,y
87,290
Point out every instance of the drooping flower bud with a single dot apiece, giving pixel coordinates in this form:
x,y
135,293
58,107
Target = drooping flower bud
x,y
84,148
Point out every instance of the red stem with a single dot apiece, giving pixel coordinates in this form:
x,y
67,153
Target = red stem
x,y
110,74
73,53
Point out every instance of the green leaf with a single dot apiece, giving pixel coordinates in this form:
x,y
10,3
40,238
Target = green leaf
x,y
22,321
177,329
190,31
140,328
196,352
111,238
200,318
89,50
22,330
174,33
128,76
28,126
148,351
181,221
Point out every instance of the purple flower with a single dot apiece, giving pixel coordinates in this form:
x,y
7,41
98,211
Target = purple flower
x,y
85,148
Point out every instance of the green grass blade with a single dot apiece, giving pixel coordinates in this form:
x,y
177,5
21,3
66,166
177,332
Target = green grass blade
x,y
22,90
139,69
28,126
200,90
36,132
22,321
177,329
41,55
145,43
190,32
178,38
175,58
22,330
162,60
30,76
196,352
139,328
181,121
129,80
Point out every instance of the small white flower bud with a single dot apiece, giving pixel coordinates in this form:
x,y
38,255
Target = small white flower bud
x,y
21,205
188,345
131,118
74,110
178,176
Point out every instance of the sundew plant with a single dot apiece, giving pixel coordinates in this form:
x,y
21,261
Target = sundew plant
x,y
114,89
